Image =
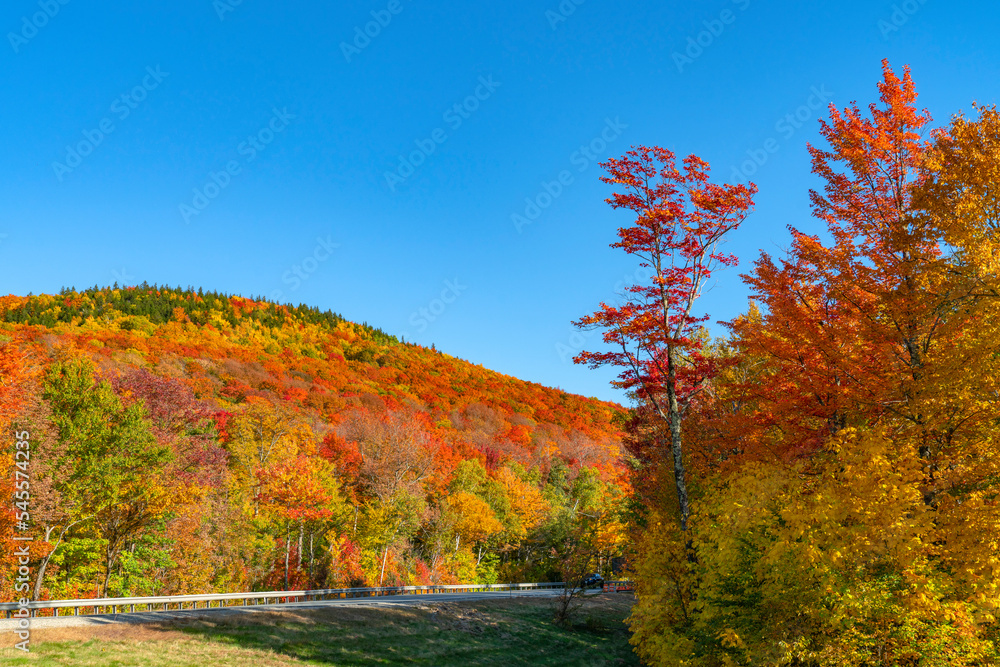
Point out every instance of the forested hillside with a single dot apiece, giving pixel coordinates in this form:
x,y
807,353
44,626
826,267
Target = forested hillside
x,y
185,442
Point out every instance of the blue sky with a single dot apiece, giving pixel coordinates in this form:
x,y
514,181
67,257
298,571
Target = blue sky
x,y
277,149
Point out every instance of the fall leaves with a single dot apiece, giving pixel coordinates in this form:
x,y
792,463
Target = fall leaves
x,y
681,219
842,452
192,442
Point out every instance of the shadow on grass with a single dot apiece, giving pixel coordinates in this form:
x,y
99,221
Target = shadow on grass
x,y
492,632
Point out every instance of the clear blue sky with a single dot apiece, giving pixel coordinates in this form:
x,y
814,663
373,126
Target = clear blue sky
x,y
302,120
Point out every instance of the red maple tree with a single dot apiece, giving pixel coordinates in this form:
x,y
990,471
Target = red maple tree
x,y
681,220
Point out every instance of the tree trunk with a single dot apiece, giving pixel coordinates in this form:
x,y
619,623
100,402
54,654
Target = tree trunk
x,y
310,560
36,593
675,437
299,567
288,536
108,563
382,574
45,562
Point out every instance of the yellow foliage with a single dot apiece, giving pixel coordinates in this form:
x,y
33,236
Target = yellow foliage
x,y
833,562
863,529
475,519
528,507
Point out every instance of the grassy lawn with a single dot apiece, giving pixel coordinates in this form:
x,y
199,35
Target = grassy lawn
x,y
489,632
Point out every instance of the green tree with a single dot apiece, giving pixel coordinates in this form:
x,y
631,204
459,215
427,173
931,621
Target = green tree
x,y
112,464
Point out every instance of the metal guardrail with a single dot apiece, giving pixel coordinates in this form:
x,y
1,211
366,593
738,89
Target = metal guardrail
x,y
165,603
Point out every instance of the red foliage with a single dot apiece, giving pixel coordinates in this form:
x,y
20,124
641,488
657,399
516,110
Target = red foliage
x,y
221,419
236,390
681,219
424,576
492,458
821,335
345,455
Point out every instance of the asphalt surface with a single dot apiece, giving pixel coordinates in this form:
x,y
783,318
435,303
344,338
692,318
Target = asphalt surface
x,y
211,613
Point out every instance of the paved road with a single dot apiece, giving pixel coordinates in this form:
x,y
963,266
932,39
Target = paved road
x,y
7,625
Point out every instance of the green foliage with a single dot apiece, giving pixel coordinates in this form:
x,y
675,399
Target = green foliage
x,y
146,306
110,450
77,564
143,566
108,475
488,570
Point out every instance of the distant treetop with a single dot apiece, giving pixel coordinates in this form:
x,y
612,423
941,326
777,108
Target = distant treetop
x,y
159,305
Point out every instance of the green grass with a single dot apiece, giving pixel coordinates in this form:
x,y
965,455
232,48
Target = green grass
x,y
492,632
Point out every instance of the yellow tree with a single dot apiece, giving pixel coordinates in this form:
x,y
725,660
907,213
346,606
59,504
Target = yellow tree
x,y
961,198
474,520
527,506
258,435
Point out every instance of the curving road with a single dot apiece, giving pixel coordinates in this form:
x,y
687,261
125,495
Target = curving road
x,y
7,625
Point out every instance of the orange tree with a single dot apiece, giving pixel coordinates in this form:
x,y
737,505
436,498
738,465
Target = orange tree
x,y
301,490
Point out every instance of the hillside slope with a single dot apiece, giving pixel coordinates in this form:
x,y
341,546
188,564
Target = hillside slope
x,y
291,446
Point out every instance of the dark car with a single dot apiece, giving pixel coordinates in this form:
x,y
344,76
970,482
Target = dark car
x,y
592,580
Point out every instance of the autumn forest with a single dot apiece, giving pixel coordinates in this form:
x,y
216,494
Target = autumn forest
x,y
193,442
